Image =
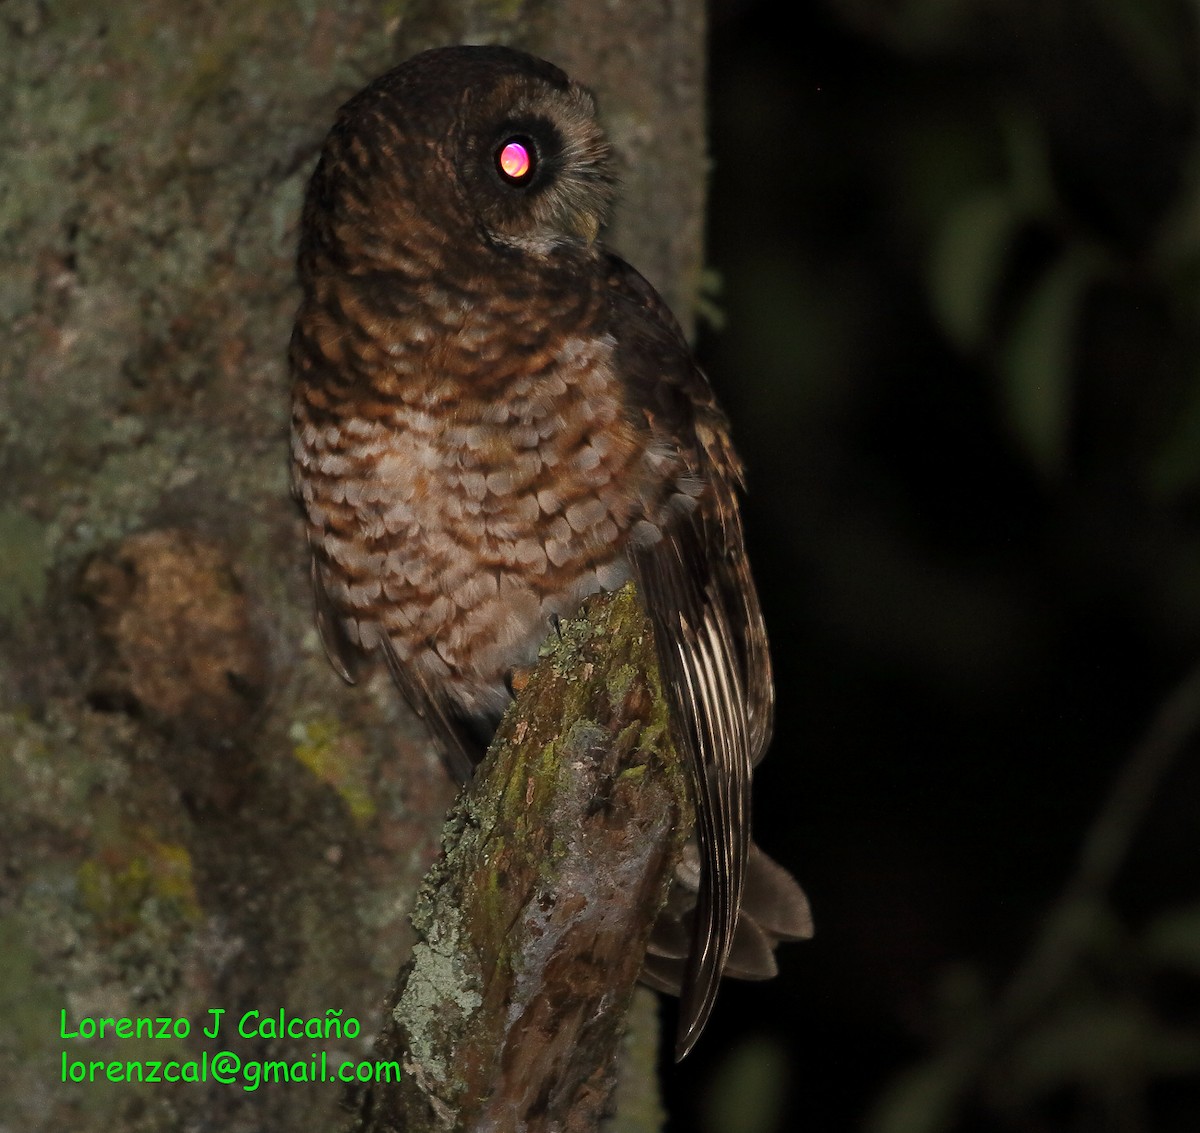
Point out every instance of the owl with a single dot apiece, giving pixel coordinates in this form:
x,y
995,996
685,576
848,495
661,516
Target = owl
x,y
494,416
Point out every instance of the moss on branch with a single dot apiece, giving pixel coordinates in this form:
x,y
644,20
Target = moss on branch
x,y
533,925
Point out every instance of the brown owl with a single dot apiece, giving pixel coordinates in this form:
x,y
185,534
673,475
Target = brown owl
x,y
495,416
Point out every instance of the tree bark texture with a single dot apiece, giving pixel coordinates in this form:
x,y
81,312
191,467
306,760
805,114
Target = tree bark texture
x,y
196,815
531,929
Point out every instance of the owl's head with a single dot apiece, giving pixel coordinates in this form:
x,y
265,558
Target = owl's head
x,y
484,138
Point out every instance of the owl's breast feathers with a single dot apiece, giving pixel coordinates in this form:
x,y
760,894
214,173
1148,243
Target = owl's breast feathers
x,y
465,484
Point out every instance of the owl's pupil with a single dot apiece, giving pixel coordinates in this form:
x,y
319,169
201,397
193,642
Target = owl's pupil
x,y
515,160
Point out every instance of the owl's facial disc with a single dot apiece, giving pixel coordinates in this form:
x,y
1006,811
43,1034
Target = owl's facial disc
x,y
535,166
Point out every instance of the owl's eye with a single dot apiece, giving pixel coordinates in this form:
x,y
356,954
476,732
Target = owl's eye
x,y
516,160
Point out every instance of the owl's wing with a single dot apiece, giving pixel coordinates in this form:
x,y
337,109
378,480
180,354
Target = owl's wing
x,y
345,657
459,747
696,586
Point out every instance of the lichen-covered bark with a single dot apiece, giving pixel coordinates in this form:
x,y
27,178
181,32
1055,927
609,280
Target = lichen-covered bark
x,y
531,929
195,814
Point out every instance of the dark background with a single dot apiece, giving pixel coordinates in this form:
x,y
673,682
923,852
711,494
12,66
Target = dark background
x,y
957,257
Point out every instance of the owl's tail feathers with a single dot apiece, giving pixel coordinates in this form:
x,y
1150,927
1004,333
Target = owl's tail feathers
x,y
774,908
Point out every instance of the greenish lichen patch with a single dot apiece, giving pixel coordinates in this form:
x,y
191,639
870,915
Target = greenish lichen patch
x,y
136,879
24,559
437,978
338,759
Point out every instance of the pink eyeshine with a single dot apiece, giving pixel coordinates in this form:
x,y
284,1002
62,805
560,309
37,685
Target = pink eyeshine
x,y
514,161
